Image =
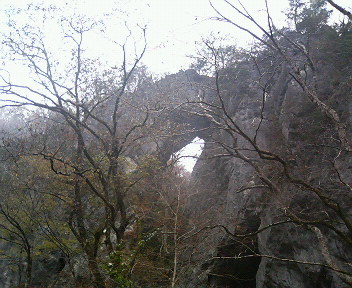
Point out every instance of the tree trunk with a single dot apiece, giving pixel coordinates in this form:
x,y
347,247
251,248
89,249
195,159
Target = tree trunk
x,y
98,279
29,268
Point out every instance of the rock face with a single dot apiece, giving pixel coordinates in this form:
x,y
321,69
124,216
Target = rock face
x,y
275,172
287,220
312,236
272,188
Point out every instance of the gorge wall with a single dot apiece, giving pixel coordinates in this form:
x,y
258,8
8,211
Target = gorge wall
x,y
272,186
270,201
283,230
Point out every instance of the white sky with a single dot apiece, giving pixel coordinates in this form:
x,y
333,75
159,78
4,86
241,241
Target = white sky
x,y
173,26
189,152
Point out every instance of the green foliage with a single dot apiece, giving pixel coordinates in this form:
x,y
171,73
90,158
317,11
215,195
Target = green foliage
x,y
121,261
149,165
343,46
308,16
215,53
118,268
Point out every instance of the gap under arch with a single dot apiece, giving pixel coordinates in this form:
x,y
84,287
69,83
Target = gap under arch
x,y
189,154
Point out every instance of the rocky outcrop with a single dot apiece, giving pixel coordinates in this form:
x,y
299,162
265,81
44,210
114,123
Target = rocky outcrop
x,y
294,254
297,209
279,236
271,192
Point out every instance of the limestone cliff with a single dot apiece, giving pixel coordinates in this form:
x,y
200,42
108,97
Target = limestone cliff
x,y
274,169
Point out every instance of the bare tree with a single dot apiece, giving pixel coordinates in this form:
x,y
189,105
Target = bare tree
x,y
283,62
88,105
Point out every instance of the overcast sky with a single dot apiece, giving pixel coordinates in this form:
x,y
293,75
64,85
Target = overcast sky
x,y
174,27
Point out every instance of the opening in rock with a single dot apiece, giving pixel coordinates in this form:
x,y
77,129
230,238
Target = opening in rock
x,y
237,265
189,154
235,271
